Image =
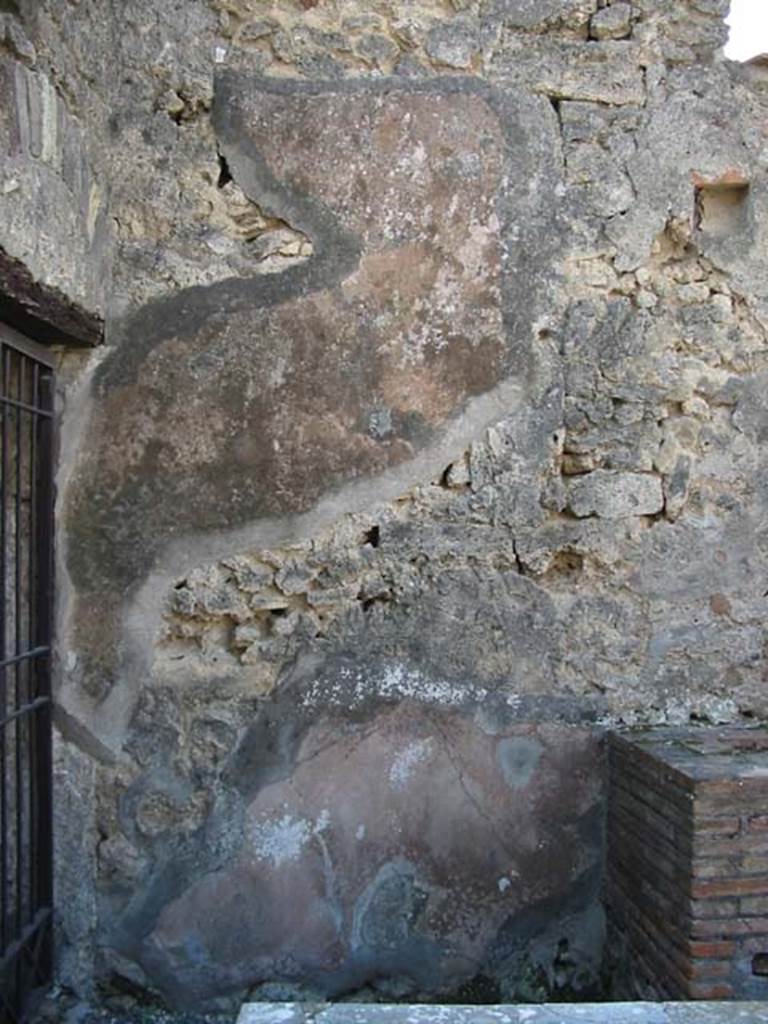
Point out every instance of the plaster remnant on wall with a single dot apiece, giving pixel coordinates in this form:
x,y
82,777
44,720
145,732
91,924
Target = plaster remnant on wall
x,y
281,841
408,761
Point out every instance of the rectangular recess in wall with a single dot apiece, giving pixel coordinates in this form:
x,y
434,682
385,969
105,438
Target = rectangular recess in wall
x,y
721,209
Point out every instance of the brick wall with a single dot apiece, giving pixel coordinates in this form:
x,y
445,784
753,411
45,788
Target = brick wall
x,y
687,882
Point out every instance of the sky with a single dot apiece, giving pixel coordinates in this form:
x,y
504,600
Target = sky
x,y
749,29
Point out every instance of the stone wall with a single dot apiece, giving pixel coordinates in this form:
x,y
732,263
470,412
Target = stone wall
x,y
427,440
55,233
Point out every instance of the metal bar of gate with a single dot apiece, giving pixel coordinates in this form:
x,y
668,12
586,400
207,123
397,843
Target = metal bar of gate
x,y
5,358
18,616
42,673
26,595
32,570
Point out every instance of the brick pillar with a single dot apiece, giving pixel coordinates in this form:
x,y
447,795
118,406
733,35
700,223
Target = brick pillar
x,y
687,879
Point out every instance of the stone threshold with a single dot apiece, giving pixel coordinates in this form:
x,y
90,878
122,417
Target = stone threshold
x,y
547,1013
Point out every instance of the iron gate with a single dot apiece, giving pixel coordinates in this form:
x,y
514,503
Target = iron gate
x,y
26,581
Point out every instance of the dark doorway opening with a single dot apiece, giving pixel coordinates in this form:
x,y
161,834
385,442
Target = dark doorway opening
x,y
26,589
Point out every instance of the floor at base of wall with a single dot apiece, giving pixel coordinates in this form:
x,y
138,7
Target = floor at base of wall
x,y
573,1013
358,1013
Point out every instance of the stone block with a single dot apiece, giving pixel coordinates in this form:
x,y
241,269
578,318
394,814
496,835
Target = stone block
x,y
537,15
453,44
614,495
605,72
614,22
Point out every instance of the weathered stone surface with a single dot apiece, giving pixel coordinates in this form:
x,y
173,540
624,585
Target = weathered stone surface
x,y
453,44
537,15
614,22
614,495
605,72
74,775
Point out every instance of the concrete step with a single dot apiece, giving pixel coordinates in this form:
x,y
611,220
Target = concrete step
x,y
561,1013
